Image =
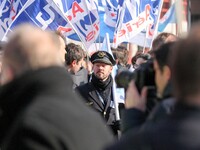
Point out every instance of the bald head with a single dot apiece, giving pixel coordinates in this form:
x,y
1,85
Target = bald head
x,y
29,48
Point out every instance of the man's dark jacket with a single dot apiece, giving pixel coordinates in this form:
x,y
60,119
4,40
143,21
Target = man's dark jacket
x,y
89,92
39,111
133,119
178,131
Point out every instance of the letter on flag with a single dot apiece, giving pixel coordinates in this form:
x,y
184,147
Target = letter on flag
x,y
138,22
83,17
8,11
69,16
44,14
87,20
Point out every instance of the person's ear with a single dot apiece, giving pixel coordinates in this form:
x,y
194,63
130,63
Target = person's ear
x,y
7,74
74,63
111,68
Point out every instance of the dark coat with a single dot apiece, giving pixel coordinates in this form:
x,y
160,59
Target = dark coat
x,y
135,119
39,111
178,131
89,94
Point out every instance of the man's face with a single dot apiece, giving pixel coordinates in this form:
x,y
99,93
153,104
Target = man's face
x,y
76,66
102,70
160,79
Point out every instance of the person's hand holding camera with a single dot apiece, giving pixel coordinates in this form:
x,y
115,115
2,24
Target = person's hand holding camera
x,y
134,99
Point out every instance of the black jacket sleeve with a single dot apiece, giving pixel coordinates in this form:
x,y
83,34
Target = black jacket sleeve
x,y
132,118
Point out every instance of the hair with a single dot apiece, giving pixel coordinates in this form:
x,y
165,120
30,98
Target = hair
x,y
162,38
185,64
69,46
114,52
74,52
140,55
122,47
24,52
2,45
162,54
121,54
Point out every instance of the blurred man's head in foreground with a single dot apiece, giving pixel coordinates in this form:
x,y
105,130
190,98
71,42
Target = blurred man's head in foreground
x,y
29,48
185,64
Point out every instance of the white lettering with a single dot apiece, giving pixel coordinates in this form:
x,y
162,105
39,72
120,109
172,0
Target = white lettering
x,y
2,9
45,23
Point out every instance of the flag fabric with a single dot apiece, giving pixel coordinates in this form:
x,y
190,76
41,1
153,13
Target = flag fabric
x,y
86,20
169,17
117,16
146,16
132,21
106,45
108,13
77,16
44,14
8,11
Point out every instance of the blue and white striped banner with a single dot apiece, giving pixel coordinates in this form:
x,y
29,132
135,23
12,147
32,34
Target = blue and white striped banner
x,y
86,20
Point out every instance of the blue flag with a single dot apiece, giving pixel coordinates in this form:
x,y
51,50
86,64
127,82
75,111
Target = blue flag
x,y
138,22
44,14
86,20
83,18
74,17
169,17
8,11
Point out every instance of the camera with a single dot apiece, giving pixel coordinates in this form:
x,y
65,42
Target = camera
x,y
144,75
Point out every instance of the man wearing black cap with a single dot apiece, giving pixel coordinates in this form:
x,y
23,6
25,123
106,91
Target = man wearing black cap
x,y
98,93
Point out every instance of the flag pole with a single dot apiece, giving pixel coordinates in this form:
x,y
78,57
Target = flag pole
x,y
73,28
120,14
91,23
157,22
114,84
189,13
19,13
180,18
145,39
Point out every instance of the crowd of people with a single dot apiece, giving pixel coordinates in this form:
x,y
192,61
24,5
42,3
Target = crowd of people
x,y
54,95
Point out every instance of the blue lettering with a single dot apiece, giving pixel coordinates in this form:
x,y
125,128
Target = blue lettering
x,y
80,30
88,20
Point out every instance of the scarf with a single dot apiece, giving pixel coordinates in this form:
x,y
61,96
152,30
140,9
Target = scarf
x,y
103,87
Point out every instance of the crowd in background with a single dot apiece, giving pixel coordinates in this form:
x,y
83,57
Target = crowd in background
x,y
54,95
